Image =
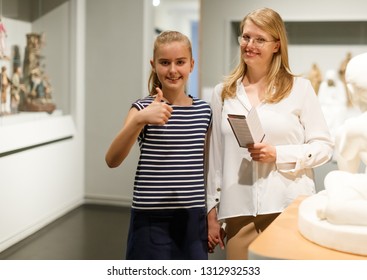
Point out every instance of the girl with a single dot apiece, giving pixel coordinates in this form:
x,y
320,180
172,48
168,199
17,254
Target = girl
x,y
168,214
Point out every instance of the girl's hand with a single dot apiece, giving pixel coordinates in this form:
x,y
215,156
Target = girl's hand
x,y
157,112
216,233
262,152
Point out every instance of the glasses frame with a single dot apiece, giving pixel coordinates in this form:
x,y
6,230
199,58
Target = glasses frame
x,y
243,41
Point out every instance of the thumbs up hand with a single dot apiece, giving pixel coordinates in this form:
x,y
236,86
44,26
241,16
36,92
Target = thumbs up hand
x,y
157,112
159,96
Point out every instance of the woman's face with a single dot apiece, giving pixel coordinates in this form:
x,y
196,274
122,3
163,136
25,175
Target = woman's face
x,y
259,50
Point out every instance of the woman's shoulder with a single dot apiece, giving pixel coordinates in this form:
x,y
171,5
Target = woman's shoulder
x,y
218,88
301,81
302,87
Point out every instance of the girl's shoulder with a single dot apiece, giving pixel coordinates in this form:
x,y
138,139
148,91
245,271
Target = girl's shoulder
x,y
141,103
199,102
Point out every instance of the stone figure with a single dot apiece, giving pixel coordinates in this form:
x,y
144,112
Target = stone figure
x,y
17,90
333,100
3,36
4,86
315,77
342,69
38,95
346,188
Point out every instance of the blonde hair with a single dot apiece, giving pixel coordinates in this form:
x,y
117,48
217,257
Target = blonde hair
x,y
163,38
279,77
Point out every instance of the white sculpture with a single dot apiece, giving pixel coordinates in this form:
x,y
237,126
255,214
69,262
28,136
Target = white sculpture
x,y
346,189
333,100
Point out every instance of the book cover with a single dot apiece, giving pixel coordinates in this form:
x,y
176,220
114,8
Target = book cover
x,y
247,130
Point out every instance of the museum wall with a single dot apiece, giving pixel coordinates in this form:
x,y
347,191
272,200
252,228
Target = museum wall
x,y
42,155
117,61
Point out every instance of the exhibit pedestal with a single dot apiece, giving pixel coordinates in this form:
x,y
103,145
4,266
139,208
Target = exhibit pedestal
x,y
283,241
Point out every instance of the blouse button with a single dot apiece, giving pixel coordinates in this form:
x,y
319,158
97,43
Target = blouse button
x,y
217,199
219,189
309,155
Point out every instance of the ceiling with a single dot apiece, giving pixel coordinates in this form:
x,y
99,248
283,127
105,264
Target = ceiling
x,y
27,10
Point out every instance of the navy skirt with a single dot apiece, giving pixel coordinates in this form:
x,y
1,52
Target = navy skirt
x,y
179,234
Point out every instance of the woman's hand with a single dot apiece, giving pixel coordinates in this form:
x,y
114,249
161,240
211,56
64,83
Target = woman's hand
x,y
262,152
216,233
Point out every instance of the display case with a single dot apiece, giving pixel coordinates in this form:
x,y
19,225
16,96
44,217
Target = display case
x,y
36,39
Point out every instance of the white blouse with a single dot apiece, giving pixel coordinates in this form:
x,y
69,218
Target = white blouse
x,y
295,126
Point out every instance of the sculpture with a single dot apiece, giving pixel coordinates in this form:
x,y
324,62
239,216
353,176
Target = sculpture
x,y
333,100
3,36
342,68
315,77
38,88
346,189
4,88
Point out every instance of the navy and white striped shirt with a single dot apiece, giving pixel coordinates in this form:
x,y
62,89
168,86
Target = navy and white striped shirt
x,y
170,172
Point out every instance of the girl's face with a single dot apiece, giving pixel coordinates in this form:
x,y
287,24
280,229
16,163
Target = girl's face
x,y
173,65
259,50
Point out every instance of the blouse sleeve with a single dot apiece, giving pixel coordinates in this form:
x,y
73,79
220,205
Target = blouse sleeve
x,y
318,146
214,179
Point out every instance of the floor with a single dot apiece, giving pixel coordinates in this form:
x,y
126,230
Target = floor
x,y
90,232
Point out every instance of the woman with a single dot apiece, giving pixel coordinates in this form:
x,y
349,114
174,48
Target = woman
x,y
249,187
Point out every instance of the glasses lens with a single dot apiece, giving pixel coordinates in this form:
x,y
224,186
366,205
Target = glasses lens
x,y
258,43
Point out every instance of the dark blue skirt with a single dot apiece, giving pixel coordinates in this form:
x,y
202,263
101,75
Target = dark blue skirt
x,y
179,234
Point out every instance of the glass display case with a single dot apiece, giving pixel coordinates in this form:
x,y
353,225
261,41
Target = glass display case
x,y
35,58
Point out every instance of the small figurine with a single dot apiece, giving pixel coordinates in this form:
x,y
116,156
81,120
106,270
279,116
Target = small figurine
x,y
3,36
315,77
4,85
38,93
17,92
343,67
333,100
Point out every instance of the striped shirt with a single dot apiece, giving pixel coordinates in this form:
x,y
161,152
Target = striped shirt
x,y
170,172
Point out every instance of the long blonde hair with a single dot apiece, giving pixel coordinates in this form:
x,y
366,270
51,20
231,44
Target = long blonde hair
x,y
165,37
279,77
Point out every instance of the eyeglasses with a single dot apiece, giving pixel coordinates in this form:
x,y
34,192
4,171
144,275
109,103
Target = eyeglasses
x,y
258,42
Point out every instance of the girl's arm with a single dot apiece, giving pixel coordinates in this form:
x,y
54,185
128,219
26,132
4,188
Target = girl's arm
x,y
125,139
156,113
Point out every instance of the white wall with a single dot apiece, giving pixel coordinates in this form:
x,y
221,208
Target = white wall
x,y
40,184
56,51
177,15
117,60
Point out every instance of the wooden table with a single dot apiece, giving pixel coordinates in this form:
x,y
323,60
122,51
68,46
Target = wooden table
x,y
282,240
